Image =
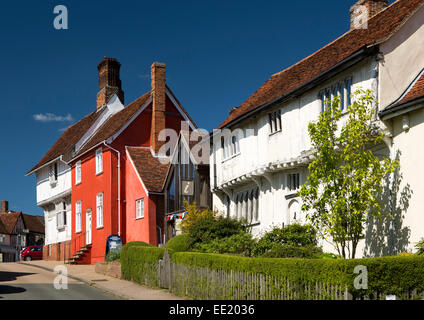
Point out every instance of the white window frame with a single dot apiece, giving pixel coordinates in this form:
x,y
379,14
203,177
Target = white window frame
x,y
53,173
139,208
78,214
78,171
297,181
61,217
99,210
274,120
99,161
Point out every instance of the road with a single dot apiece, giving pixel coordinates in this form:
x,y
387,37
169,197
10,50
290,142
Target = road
x,y
23,282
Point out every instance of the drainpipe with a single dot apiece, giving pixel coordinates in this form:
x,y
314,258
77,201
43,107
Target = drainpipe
x,y
119,186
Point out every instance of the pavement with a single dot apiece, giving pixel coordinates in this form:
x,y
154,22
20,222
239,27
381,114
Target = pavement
x,y
21,282
118,288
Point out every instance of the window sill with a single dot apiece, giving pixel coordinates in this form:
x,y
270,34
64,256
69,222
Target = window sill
x,y
232,157
99,173
77,232
139,218
98,228
275,133
77,183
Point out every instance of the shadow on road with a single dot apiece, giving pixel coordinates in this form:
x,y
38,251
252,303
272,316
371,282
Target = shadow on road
x,y
11,276
10,290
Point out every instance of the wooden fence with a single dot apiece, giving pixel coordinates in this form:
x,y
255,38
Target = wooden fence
x,y
206,284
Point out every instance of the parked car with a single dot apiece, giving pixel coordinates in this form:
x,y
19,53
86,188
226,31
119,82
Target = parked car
x,y
32,253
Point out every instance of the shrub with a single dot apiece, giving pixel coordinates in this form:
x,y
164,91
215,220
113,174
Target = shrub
x,y
180,243
294,234
138,243
292,251
240,244
193,213
113,255
210,227
420,247
328,255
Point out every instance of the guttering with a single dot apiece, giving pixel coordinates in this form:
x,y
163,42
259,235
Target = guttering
x,y
337,68
401,109
119,186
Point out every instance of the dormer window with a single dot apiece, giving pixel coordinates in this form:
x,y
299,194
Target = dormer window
x,y
274,120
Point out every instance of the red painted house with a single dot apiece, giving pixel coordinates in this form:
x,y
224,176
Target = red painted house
x,y
116,175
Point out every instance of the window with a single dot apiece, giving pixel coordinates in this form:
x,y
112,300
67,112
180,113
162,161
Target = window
x,y
342,89
139,208
99,161
99,212
2,238
293,181
230,146
61,217
274,119
78,172
78,216
53,173
247,205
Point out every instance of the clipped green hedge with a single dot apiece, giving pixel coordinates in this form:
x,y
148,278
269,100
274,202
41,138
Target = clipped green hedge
x,y
138,243
179,243
387,275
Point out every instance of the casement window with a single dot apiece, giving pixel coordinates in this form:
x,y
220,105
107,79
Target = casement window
x,y
230,146
139,208
293,181
61,217
247,206
342,89
78,172
99,161
78,216
274,119
99,212
53,173
2,238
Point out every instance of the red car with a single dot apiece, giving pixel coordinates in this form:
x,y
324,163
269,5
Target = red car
x,y
32,253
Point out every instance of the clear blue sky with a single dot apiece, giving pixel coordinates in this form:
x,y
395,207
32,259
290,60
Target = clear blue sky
x,y
217,54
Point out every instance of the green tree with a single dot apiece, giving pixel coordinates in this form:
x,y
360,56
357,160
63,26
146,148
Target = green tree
x,y
346,177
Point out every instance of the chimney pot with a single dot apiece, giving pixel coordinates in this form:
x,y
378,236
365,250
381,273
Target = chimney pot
x,y
158,83
4,206
363,10
109,81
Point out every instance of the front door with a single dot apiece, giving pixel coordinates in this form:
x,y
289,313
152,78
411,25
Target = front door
x,y
88,228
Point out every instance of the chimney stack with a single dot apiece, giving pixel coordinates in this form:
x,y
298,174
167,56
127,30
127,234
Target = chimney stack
x,y
363,10
4,206
158,113
109,81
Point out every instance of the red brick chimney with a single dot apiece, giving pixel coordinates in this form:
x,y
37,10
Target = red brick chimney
x,y
363,10
158,112
4,206
109,81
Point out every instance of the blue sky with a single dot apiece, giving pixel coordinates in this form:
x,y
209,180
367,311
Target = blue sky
x,y
217,54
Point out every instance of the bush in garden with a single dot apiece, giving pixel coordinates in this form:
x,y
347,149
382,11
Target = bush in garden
x,y
193,213
420,247
113,255
180,243
238,244
294,234
293,251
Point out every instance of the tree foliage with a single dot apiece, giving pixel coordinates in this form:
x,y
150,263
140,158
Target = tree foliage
x,y
346,177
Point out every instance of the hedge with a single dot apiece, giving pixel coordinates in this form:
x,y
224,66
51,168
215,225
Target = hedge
x,y
179,243
387,275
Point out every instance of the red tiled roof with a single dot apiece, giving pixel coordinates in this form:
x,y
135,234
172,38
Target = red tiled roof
x,y
151,171
114,123
33,223
9,220
67,140
380,28
2,228
415,91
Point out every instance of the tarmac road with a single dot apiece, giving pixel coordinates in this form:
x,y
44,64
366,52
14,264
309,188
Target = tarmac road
x,y
23,282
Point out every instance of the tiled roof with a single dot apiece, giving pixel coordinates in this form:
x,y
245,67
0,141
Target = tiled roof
x,y
68,139
380,28
415,91
33,223
114,123
151,171
9,220
2,228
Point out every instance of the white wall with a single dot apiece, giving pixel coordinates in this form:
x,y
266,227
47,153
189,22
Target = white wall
x,y
46,190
